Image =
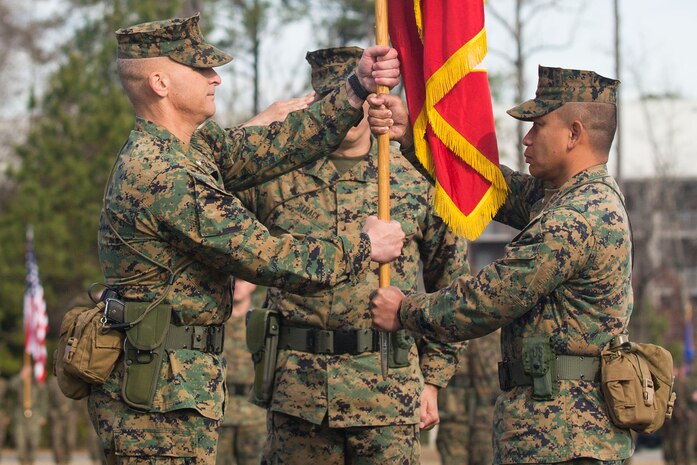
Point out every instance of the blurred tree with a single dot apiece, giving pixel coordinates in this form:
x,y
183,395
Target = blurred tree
x,y
76,129
247,24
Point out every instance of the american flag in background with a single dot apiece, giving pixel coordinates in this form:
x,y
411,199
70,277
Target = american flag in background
x,y
35,318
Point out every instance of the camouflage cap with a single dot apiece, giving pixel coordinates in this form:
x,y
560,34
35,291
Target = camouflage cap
x,y
177,38
557,86
331,66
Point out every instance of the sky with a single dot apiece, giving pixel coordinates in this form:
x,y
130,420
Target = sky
x,y
658,58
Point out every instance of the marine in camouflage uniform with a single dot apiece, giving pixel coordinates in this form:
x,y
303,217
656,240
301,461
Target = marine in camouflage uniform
x,y
565,279
171,232
679,432
63,419
26,425
335,408
243,428
4,412
467,405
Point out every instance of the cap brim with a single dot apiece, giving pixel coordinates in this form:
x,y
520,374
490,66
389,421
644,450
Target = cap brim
x,y
201,56
534,108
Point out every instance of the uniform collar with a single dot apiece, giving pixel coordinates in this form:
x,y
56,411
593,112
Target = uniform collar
x,y
364,171
159,132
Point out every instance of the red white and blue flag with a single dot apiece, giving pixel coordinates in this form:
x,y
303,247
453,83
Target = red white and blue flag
x,y
35,317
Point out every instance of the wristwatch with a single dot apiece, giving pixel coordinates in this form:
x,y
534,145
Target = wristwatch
x,y
360,91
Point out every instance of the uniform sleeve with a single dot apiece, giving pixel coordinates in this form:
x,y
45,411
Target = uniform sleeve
x,y
203,220
547,253
523,191
250,156
444,258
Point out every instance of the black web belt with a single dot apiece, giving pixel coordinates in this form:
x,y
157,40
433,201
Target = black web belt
x,y
580,367
322,341
207,339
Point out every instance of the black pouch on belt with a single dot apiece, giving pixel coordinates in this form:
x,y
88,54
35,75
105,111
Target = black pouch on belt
x,y
143,352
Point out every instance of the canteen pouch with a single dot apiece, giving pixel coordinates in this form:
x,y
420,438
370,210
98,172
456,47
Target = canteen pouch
x,y
400,345
144,351
637,383
539,363
263,328
87,351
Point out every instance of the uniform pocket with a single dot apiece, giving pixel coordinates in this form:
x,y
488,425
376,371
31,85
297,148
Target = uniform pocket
x,y
132,442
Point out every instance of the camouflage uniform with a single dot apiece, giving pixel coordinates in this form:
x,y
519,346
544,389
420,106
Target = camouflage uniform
x,y
170,205
4,412
566,276
63,416
243,428
679,431
337,408
27,430
453,408
467,405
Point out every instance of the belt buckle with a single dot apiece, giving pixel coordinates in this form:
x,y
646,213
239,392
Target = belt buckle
x,y
199,338
323,342
214,341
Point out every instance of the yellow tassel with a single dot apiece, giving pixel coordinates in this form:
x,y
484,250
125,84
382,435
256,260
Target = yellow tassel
x,y
455,68
460,146
419,19
472,225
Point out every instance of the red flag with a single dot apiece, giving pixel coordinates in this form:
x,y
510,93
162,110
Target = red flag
x,y
440,43
35,318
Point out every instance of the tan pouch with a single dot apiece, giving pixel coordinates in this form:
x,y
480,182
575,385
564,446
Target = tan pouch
x,y
86,354
637,383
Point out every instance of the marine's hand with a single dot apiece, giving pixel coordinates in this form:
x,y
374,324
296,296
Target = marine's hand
x,y
428,413
386,239
278,111
387,114
384,306
379,66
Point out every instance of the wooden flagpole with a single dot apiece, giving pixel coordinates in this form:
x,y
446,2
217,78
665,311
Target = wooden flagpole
x,y
382,38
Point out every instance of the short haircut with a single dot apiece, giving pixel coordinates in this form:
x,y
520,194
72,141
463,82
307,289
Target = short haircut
x,y
133,74
599,119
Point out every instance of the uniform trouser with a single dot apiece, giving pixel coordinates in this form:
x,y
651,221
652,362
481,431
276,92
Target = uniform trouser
x,y
128,437
293,441
63,438
241,444
452,441
26,436
4,421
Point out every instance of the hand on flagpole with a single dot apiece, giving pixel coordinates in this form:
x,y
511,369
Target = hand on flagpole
x,y
387,114
379,66
384,306
386,239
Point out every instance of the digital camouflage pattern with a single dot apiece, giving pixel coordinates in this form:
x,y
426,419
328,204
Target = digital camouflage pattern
x,y
243,428
172,204
466,405
63,419
557,86
453,410
322,444
178,38
348,390
567,275
331,66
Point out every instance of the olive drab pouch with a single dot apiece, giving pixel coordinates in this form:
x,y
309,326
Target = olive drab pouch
x,y
144,351
87,350
398,351
263,329
637,383
539,363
